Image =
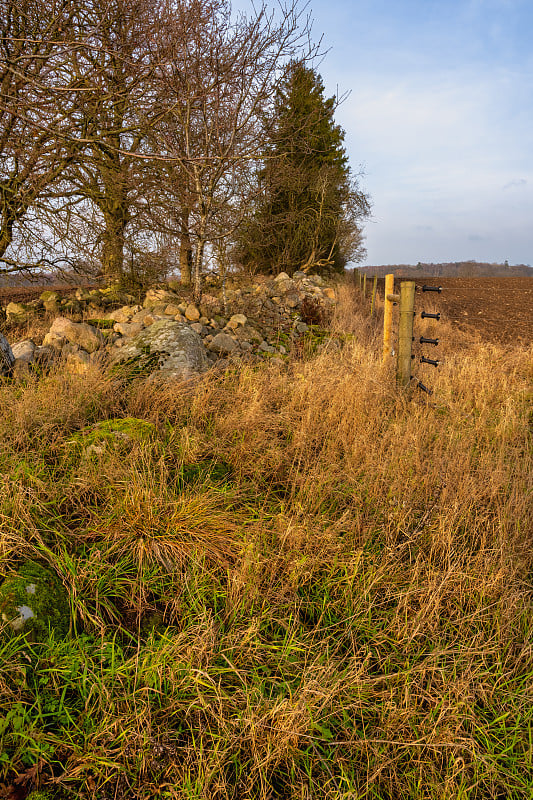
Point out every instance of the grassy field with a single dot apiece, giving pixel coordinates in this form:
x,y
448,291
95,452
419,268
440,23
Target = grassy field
x,y
293,583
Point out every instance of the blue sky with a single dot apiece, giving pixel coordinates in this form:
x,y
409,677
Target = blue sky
x,y
440,118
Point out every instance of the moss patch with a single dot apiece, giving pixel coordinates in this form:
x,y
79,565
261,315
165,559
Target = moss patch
x,y
102,324
34,600
114,434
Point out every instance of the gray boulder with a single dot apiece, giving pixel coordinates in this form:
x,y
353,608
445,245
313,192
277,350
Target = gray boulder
x,y
181,351
223,344
24,351
7,359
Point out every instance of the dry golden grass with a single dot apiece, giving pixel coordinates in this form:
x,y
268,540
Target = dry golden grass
x,y
308,586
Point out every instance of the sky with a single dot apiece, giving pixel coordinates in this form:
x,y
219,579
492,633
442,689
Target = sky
x,y
440,121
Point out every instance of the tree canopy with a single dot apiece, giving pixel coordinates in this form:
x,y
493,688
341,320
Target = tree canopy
x,y
309,206
138,132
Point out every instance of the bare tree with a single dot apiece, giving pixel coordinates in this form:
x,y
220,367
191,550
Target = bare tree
x,y
37,130
114,68
217,78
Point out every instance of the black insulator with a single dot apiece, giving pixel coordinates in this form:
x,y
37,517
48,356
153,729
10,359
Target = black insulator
x,y
424,388
425,315
425,340
432,289
431,361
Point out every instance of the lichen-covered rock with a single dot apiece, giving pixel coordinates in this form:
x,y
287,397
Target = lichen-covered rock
x,y
34,600
172,310
69,304
50,301
180,351
7,359
17,313
114,295
123,314
83,295
80,333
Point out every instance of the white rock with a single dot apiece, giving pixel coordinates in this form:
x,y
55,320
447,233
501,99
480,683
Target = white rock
x,y
24,351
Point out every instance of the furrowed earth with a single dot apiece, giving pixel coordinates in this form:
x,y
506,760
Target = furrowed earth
x,y
499,309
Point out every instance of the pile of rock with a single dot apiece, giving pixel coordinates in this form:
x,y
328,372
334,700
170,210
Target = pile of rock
x,y
249,320
80,302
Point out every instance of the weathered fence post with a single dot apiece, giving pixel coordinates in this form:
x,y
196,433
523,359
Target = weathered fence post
x,y
405,332
374,289
390,298
364,284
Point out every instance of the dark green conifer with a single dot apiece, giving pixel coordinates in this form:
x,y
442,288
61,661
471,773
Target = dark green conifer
x,y
309,208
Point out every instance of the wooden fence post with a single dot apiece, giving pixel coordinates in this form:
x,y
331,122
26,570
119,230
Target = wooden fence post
x,y
387,316
364,284
374,289
405,332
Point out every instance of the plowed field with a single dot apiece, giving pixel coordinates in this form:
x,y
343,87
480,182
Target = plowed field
x,y
500,309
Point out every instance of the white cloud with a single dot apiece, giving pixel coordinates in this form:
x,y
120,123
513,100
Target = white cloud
x,y
515,184
438,152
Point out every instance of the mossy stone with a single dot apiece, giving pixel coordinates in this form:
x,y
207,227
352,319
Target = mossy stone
x,y
34,600
102,324
115,434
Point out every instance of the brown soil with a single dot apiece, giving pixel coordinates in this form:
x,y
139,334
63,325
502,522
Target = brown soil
x,y
499,309
25,294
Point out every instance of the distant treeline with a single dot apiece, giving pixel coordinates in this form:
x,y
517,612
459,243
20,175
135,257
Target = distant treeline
x,y
454,269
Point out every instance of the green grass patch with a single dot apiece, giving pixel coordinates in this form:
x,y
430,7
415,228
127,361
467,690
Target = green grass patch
x,y
275,586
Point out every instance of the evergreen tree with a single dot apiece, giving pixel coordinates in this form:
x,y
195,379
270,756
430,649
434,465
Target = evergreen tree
x,y
309,208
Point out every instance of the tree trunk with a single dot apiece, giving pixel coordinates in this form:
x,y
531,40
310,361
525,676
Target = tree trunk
x,y
199,256
113,247
6,235
185,250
